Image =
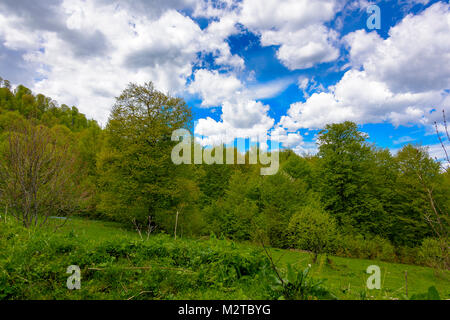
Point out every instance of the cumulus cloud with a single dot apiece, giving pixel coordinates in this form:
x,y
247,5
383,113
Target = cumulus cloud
x,y
296,26
27,19
415,56
246,114
286,14
303,48
288,139
151,8
242,115
241,118
215,88
85,53
401,79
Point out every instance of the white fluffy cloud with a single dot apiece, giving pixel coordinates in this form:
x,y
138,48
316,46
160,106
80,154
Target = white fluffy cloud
x,y
303,48
85,53
415,56
289,140
400,79
246,114
241,118
286,14
213,87
242,115
296,26
357,97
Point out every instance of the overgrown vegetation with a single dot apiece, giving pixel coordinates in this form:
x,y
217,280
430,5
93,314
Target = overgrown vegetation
x,y
33,264
352,199
116,264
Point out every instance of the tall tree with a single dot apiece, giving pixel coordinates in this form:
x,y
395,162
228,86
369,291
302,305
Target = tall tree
x,y
347,165
137,175
418,187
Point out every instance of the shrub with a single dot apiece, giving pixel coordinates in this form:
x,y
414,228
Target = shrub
x,y
121,268
432,294
357,246
386,249
314,230
434,253
298,285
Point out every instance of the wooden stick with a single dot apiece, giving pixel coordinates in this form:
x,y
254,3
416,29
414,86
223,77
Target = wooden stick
x,y
406,282
176,224
140,293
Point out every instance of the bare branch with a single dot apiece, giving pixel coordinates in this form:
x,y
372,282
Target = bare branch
x,y
442,142
37,174
445,125
274,267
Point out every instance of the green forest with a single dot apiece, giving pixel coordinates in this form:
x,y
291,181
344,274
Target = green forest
x,y
352,199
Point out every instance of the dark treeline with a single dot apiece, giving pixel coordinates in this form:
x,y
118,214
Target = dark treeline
x,y
351,199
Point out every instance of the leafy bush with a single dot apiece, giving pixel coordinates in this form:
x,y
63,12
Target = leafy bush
x,y
434,253
356,246
431,294
314,230
33,265
407,255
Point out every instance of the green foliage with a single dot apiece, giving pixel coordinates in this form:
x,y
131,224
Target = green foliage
x,y
314,230
136,172
434,253
38,175
20,109
41,109
358,246
121,268
214,181
411,205
375,205
112,261
348,188
303,168
298,285
255,206
432,294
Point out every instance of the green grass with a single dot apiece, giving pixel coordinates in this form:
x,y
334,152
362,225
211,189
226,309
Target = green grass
x,y
116,264
95,230
345,277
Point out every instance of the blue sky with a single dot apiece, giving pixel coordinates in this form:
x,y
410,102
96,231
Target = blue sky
x,y
247,68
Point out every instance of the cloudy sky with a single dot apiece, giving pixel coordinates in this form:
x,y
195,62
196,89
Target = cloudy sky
x,y
246,67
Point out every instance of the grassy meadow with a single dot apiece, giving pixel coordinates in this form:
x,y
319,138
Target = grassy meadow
x,y
117,264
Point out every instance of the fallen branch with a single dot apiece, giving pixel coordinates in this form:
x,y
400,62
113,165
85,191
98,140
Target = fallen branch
x,y
145,268
137,295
